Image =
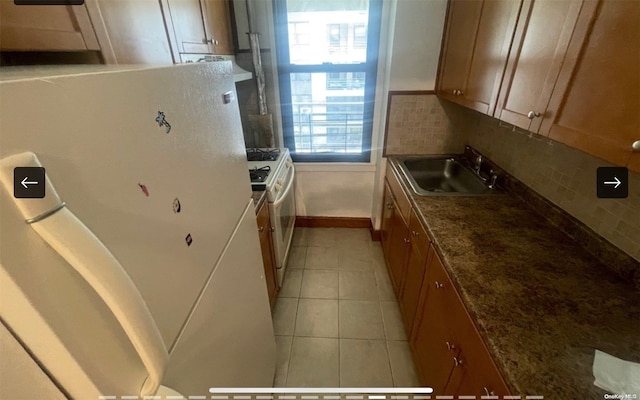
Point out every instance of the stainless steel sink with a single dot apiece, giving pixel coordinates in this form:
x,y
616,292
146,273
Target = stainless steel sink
x,y
442,176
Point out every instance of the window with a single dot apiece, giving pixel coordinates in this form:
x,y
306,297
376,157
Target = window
x,y
298,33
359,36
327,77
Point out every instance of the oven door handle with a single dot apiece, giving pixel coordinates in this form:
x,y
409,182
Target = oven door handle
x,y
287,190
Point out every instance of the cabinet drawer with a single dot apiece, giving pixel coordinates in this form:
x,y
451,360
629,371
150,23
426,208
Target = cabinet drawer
x,y
401,198
419,237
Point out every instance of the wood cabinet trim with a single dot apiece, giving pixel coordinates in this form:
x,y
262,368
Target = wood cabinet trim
x,y
97,20
172,39
86,28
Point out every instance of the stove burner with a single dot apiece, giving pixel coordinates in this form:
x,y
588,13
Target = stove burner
x,y
263,154
259,174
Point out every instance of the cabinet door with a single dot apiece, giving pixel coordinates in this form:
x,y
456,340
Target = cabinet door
x,y
188,26
266,245
48,28
415,271
416,267
462,25
542,36
474,371
432,339
131,31
398,250
479,35
218,25
597,100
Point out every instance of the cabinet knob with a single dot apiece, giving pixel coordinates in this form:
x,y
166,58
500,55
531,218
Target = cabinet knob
x,y
439,285
272,229
261,229
407,241
414,233
457,361
389,206
488,392
533,114
205,41
450,346
635,147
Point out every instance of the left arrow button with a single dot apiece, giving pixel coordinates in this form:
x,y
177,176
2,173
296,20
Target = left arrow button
x,y
28,182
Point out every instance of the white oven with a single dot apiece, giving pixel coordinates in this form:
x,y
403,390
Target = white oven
x,y
282,210
272,170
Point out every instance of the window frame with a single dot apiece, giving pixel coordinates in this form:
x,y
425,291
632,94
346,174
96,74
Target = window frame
x,y
369,67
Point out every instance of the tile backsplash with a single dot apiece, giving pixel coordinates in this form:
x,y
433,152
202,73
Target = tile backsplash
x,y
419,124
563,175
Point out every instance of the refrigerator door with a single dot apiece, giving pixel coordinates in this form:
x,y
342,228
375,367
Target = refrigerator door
x,y
22,377
229,341
152,160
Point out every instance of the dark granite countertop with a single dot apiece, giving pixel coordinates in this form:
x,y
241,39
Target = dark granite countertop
x,y
541,302
258,198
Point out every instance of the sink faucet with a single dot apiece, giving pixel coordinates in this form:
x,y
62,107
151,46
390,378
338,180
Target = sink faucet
x,y
478,163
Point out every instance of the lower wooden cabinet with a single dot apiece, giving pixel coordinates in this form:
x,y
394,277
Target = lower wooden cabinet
x,y
268,256
449,353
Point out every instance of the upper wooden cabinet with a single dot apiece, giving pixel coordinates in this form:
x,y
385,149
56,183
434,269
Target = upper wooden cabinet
x,y
130,31
540,44
50,28
595,106
218,17
199,26
125,31
476,46
571,69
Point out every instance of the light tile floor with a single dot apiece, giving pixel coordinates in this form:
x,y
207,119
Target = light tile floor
x,y
337,321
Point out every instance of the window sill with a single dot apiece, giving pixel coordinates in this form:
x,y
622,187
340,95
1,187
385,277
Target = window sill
x,y
334,167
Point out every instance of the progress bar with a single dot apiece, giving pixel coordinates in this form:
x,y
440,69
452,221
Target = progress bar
x,y
425,390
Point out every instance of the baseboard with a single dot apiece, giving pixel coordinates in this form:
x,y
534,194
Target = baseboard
x,y
375,234
333,222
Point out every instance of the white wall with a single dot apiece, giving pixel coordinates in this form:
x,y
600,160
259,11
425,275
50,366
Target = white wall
x,y
408,58
414,51
416,44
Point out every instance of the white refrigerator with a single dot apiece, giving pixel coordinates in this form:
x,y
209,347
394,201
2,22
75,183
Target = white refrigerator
x,y
151,162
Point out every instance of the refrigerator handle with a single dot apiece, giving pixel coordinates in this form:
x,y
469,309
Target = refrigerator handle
x,y
74,242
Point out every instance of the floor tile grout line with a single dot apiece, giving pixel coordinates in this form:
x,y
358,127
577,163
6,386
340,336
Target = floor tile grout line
x,y
295,320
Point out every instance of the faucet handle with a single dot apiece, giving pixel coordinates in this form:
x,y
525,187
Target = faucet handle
x,y
478,162
494,179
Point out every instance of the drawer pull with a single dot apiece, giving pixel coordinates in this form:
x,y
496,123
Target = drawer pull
x,y
450,346
261,229
439,285
389,206
414,233
488,392
406,241
457,361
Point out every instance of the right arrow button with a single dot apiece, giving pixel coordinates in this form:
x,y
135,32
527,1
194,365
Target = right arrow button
x,y
612,182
